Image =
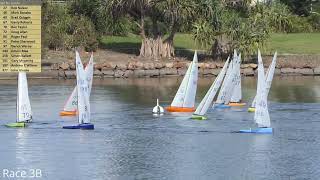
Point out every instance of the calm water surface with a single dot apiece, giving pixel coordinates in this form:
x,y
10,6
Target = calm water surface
x,y
130,143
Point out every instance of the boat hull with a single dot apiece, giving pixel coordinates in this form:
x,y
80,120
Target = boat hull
x,y
180,109
221,106
251,109
198,117
233,104
68,113
16,125
86,126
257,131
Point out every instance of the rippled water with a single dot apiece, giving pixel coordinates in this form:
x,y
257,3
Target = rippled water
x,y
130,143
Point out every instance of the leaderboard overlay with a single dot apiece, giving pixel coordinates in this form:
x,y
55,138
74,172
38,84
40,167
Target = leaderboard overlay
x,y
20,35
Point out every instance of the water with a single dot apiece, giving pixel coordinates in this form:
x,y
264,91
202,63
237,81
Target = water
x,y
130,143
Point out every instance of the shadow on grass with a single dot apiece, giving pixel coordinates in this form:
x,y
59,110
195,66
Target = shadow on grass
x,y
122,47
134,49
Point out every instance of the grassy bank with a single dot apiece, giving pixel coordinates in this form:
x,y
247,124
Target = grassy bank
x,y
299,43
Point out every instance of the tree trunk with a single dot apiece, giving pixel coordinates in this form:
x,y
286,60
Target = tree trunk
x,y
220,48
217,50
156,48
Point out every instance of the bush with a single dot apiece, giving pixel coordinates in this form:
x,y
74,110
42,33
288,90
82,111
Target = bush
x,y
299,24
93,10
65,32
55,23
118,27
83,33
280,18
314,20
277,14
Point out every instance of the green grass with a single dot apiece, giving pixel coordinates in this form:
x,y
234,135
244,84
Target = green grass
x,y
181,41
185,41
296,43
120,42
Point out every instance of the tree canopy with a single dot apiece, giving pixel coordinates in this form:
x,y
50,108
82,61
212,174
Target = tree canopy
x,y
299,7
217,25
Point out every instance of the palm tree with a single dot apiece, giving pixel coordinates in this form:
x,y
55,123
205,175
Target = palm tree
x,y
170,13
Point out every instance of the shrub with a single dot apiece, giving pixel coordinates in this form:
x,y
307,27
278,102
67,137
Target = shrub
x,y
314,20
299,24
277,14
118,27
83,33
55,23
63,31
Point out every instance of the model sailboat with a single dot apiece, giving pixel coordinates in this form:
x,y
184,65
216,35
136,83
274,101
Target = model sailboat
x,y
186,94
208,98
71,106
229,83
236,97
261,115
83,94
157,109
270,74
24,113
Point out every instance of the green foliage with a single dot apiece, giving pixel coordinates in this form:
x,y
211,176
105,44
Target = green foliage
x,y
154,17
241,26
248,34
64,31
277,14
245,27
314,20
203,33
119,27
300,24
232,28
93,10
56,21
299,7
82,33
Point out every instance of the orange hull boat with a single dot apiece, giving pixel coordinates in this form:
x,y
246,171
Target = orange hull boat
x,y
68,113
180,109
236,104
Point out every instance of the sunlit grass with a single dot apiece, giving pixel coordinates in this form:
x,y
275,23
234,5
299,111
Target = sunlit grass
x,y
295,43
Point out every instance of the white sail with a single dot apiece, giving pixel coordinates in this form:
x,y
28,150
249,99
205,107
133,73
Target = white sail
x,y
24,112
270,74
208,98
83,93
223,90
261,115
89,73
72,102
233,80
186,94
237,92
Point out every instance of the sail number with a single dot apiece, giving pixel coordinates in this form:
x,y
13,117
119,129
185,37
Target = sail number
x,y
26,115
75,103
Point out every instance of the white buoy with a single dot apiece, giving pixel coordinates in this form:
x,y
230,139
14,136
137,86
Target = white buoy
x,y
158,109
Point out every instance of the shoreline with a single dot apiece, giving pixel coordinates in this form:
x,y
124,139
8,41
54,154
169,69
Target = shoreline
x,y
206,70
110,64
